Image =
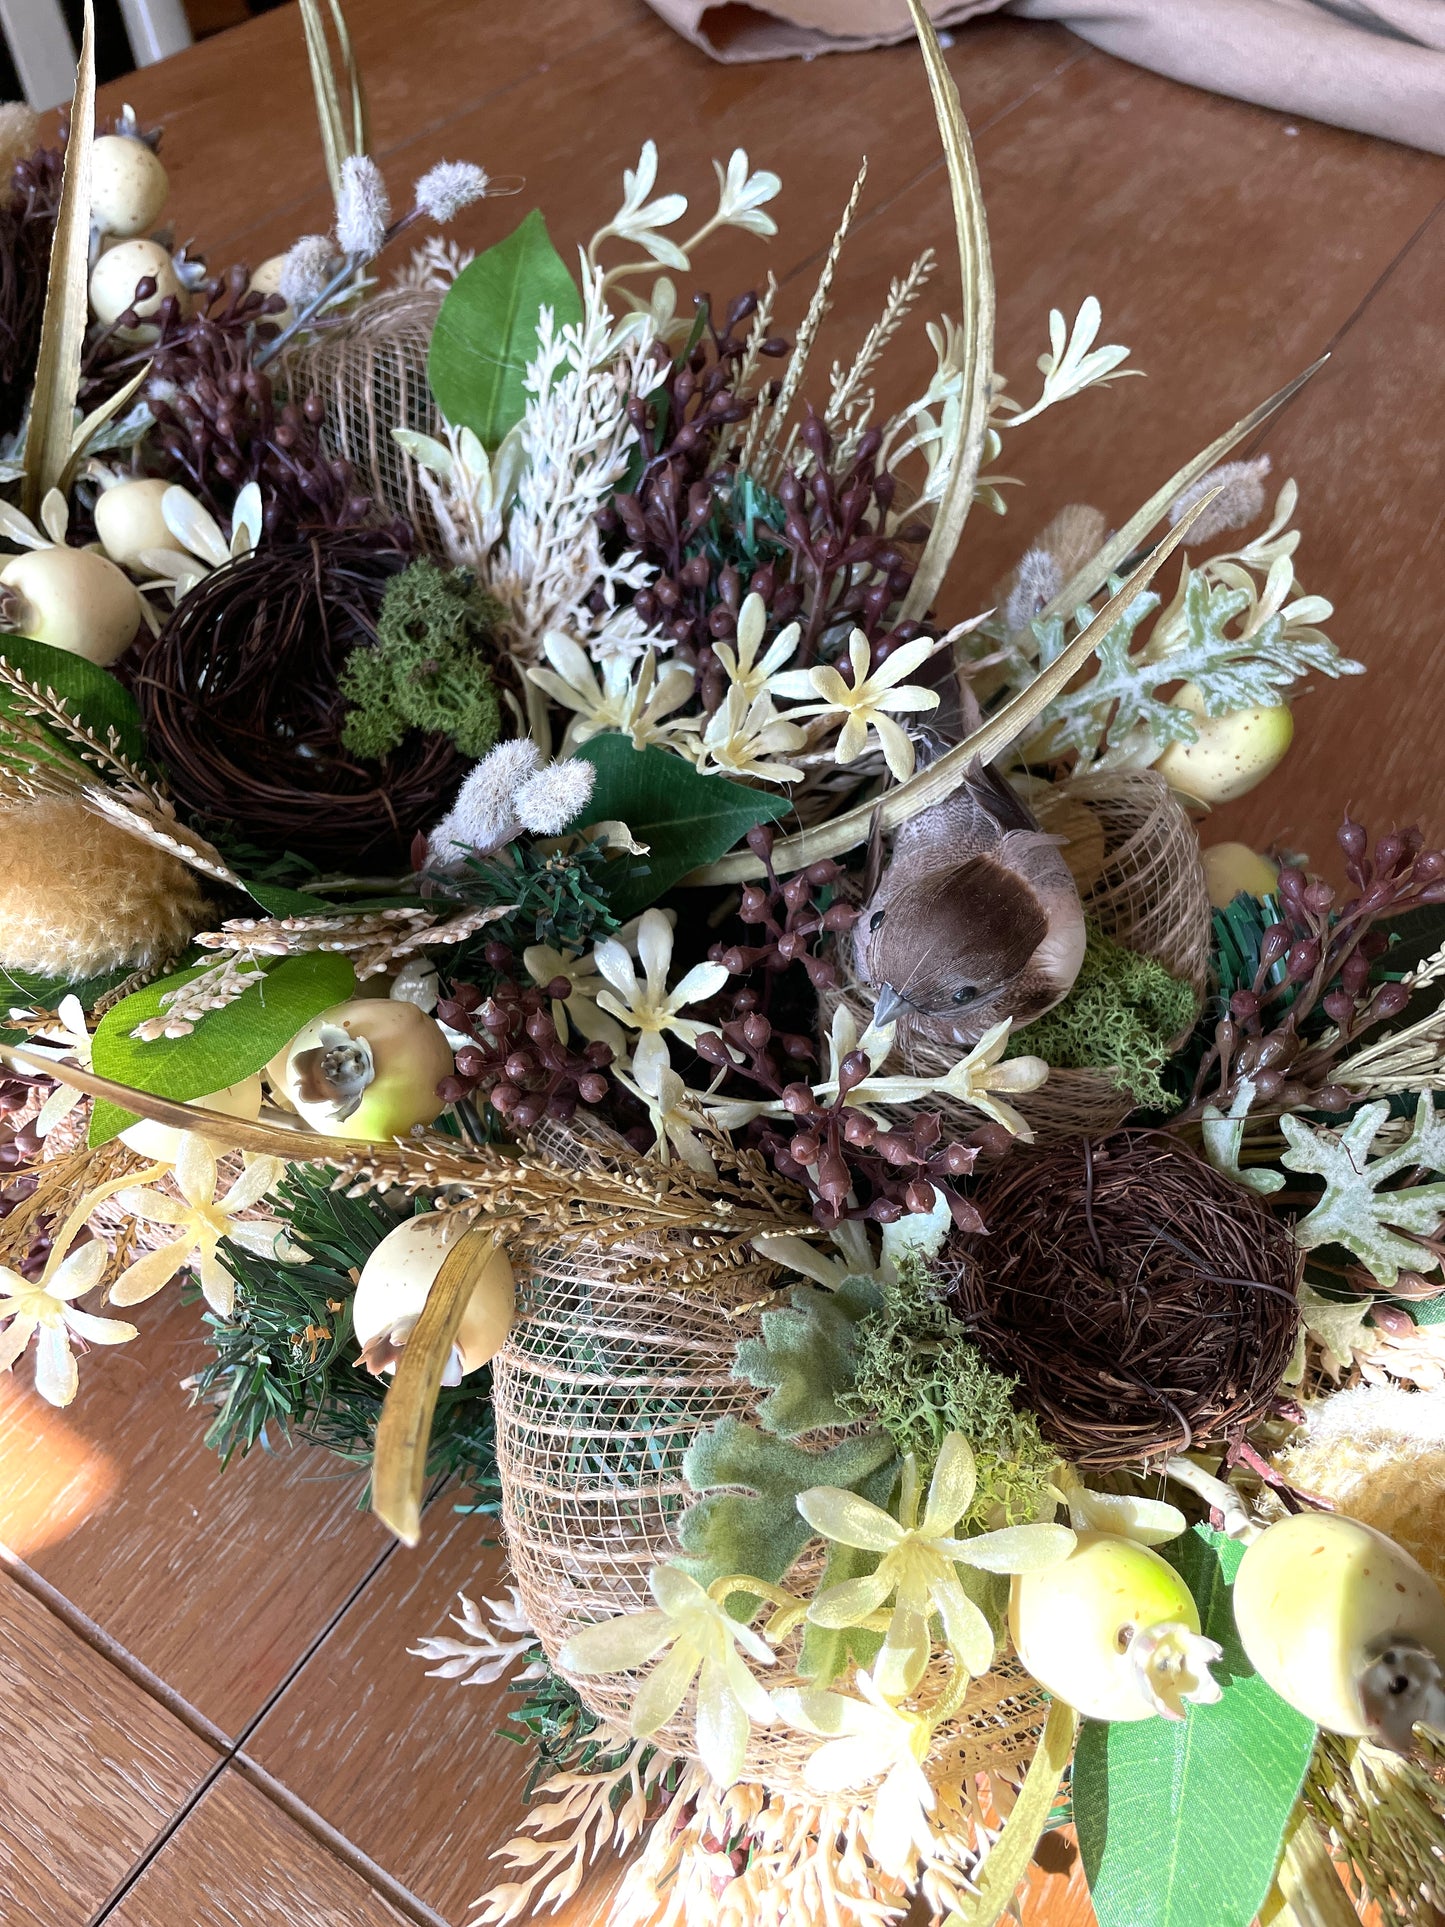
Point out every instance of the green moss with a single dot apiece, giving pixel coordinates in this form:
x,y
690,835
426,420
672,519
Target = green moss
x,y
427,669
1122,1015
918,1375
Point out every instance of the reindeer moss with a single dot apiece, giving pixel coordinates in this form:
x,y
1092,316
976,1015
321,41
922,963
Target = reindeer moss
x,y
1122,1015
427,669
919,1376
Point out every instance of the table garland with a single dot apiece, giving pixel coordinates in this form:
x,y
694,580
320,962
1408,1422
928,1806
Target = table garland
x,y
510,889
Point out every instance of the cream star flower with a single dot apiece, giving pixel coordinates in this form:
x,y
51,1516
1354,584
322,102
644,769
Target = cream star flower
x,y
743,732
866,703
917,1567
650,1007
698,1635
675,1117
637,709
579,1009
980,1079
744,670
202,1220
46,1307
73,1040
866,1739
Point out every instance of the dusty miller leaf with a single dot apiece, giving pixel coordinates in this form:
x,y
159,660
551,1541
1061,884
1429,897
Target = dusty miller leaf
x,y
804,1357
1223,1137
1354,1211
1120,703
748,1519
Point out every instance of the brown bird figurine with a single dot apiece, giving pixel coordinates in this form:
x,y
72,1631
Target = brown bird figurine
x,y
975,917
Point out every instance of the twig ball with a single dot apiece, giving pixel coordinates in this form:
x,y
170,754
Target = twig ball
x,y
241,697
1145,1303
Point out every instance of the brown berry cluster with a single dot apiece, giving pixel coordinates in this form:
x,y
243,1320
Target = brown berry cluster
x,y
516,1059
685,429
219,422
852,573
856,1169
1320,960
789,917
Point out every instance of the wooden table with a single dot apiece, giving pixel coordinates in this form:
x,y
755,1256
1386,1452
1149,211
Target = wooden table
x,y
207,1714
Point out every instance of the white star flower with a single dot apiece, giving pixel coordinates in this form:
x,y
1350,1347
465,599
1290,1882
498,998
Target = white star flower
x,y
869,701
47,1307
73,1041
636,708
741,735
202,1220
744,670
649,1006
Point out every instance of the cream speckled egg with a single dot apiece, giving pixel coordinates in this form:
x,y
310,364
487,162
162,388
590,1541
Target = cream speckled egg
x,y
128,185
397,1278
116,274
128,521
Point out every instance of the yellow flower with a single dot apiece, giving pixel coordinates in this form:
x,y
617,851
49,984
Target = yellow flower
x,y
743,732
864,1740
202,1220
698,1635
47,1307
917,1567
980,1079
637,709
674,1116
744,670
649,1006
866,702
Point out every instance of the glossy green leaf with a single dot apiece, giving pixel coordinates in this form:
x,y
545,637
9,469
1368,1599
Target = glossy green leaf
x,y
486,331
685,819
91,694
225,1046
1181,1823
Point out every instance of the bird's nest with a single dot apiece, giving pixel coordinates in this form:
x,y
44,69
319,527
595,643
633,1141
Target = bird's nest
x,y
1144,1301
241,696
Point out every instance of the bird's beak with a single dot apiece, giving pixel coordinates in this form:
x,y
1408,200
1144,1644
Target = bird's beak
x,y
890,1002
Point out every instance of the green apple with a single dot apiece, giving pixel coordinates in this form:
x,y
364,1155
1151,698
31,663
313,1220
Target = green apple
x,y
1345,1625
1114,1631
367,1069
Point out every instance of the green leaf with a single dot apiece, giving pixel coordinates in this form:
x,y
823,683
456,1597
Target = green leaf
x,y
23,989
486,332
1181,1822
225,1046
748,1519
805,1356
685,819
92,694
279,901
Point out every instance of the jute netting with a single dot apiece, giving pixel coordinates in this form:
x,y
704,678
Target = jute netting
x,y
1135,856
599,1390
370,374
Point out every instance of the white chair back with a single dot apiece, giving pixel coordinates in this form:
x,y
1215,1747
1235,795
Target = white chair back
x,y
44,55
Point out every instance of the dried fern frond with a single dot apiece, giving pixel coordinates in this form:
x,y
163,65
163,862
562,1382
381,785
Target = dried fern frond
x,y
1385,1816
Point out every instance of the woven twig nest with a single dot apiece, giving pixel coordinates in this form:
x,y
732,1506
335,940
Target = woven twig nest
x,y
1135,857
370,373
1145,1302
241,696
598,1392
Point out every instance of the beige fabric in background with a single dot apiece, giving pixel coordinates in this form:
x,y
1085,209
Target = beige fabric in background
x,y
1377,66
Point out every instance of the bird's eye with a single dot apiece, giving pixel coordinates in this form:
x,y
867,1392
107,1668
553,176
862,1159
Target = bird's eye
x,y
965,994
876,919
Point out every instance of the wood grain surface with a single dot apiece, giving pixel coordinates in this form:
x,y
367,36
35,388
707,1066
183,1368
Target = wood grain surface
x,y
1229,246
92,1768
